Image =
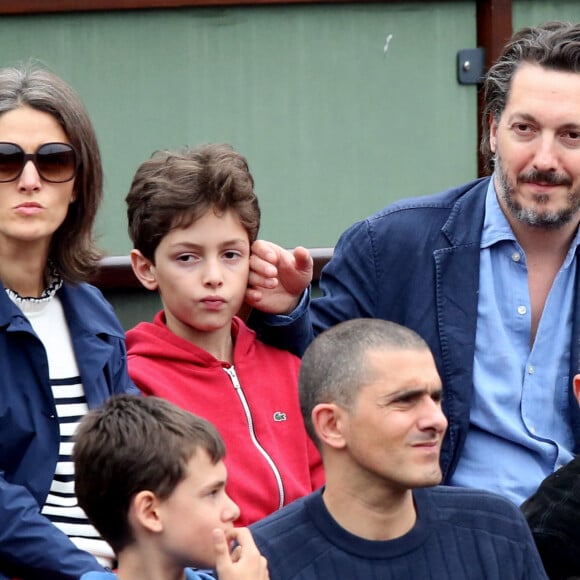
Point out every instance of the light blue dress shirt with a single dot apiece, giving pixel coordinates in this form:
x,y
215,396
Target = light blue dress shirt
x,y
519,422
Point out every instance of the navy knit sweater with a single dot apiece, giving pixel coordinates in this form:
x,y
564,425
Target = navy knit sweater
x,y
460,534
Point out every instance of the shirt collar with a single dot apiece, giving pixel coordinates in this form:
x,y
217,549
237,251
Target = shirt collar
x,y
496,227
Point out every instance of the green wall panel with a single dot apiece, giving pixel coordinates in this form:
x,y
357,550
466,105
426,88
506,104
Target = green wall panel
x,y
135,306
534,12
333,127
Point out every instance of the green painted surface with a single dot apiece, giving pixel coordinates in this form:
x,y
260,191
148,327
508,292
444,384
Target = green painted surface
x,y
534,12
133,307
333,127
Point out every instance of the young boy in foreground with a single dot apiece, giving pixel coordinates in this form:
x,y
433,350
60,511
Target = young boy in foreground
x,y
193,215
151,478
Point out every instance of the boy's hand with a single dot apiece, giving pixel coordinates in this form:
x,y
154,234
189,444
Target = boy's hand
x,y
277,277
244,562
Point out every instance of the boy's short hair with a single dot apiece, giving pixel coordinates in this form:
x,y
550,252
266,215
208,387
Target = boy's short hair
x,y
173,189
132,444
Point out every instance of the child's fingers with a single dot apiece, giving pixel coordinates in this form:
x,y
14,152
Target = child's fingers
x,y
236,554
221,548
244,562
245,540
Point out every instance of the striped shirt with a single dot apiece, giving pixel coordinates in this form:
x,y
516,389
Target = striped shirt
x,y
46,316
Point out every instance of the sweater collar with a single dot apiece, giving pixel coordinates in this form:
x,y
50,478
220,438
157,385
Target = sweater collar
x,y
370,549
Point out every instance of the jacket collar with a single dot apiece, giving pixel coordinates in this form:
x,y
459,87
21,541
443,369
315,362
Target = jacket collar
x,y
460,229
83,306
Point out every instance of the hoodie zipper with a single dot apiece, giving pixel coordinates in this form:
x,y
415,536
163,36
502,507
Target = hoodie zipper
x,y
240,392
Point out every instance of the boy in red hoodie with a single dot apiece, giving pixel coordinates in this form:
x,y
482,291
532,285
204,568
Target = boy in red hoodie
x,y
193,216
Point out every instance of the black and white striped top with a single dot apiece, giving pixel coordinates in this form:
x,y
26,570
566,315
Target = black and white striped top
x,y
47,318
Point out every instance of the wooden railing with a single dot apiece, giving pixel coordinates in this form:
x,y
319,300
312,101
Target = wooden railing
x,y
115,272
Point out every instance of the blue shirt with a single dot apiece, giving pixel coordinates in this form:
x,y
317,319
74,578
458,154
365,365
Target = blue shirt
x,y
189,575
519,419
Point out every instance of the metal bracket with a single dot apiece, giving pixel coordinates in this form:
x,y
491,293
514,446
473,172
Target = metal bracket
x,y
470,65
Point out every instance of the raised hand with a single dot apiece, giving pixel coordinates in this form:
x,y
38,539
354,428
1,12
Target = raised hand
x,y
244,562
278,277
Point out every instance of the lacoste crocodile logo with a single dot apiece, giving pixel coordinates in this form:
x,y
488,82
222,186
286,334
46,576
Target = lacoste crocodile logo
x,y
279,416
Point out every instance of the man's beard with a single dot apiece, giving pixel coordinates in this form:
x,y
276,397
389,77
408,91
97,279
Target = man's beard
x,y
531,216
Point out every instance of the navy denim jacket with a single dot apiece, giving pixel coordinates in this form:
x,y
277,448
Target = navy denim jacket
x,y
30,546
415,262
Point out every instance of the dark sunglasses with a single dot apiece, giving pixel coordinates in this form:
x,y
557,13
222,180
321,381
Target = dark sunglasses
x,y
55,162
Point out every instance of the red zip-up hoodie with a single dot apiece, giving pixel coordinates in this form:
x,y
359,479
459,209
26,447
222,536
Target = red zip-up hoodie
x,y
253,403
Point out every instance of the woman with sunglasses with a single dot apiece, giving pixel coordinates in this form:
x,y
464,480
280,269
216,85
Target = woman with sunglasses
x,y
62,349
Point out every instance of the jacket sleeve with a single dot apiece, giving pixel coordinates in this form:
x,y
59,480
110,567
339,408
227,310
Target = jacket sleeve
x,y
349,283
31,546
121,381
291,332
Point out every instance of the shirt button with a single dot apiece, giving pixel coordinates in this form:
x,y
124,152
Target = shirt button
x,y
531,370
522,310
516,257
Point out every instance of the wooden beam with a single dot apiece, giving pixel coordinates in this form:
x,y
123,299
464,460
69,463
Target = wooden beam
x,y
115,272
494,28
48,6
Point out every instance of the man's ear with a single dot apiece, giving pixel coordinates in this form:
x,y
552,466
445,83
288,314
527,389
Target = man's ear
x,y
144,511
492,133
329,421
576,383
144,270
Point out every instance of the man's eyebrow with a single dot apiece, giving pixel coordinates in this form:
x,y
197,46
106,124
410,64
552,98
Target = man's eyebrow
x,y
517,116
404,392
570,126
411,392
